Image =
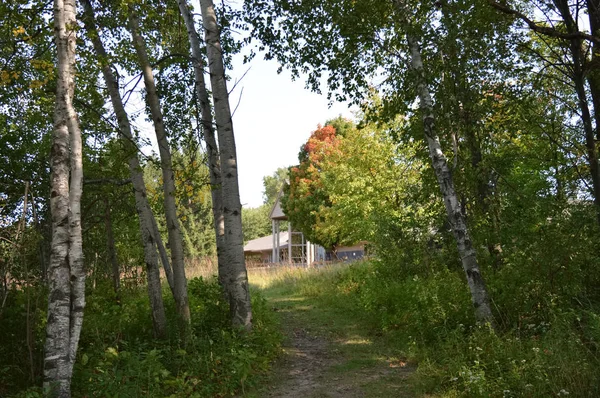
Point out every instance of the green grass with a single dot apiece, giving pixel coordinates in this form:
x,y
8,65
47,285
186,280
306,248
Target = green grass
x,y
303,299
427,321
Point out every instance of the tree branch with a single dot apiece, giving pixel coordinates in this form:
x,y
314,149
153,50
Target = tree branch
x,y
113,181
544,30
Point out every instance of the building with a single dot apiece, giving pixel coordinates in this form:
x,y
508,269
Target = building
x,y
260,250
291,247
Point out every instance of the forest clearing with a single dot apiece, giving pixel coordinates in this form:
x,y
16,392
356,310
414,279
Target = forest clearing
x,y
440,242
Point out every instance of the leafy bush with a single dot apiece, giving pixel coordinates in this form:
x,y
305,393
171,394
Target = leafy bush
x,y
118,355
217,360
22,327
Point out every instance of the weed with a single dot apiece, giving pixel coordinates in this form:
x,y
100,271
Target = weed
x,y
119,357
542,350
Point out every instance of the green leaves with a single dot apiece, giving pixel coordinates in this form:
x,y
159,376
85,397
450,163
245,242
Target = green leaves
x,y
349,185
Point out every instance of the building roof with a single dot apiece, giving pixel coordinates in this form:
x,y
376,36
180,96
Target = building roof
x,y
277,211
265,243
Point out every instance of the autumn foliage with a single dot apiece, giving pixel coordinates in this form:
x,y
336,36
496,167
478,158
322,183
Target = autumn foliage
x,y
305,198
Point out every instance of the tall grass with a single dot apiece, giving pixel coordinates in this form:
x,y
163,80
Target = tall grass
x,y
429,318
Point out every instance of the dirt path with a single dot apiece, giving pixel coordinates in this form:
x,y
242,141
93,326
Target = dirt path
x,y
326,354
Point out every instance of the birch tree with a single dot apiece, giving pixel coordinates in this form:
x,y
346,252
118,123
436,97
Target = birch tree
x,y
149,231
66,276
112,250
235,277
212,148
479,294
174,231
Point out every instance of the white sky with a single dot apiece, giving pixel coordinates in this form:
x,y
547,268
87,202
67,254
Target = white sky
x,y
274,118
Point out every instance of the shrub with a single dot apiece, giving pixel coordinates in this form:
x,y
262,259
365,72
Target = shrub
x,y
119,357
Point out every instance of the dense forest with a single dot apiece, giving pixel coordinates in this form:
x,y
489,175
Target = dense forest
x,y
471,171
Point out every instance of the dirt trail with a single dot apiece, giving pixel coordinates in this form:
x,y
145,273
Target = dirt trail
x,y
301,371
327,355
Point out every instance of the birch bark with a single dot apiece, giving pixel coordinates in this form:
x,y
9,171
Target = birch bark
x,y
66,276
146,218
479,294
235,277
209,135
162,251
112,250
477,287
174,231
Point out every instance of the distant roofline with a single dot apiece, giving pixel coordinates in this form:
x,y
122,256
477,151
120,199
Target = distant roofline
x,y
277,205
265,243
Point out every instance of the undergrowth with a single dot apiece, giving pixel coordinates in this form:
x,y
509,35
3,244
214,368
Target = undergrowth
x,y
542,348
118,356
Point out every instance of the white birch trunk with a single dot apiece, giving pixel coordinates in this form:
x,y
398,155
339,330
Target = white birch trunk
x,y
111,250
76,244
162,251
148,229
479,295
235,275
173,228
209,135
66,276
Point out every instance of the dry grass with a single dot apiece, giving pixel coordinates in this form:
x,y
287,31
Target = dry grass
x,y
204,267
261,275
265,277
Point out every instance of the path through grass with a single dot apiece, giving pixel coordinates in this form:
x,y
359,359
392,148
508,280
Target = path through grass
x,y
328,350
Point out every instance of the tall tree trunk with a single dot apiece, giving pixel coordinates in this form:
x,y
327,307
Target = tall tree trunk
x,y
482,195
577,51
173,228
29,338
209,135
41,245
456,218
148,229
66,299
590,140
112,251
593,75
235,276
479,294
162,251
464,104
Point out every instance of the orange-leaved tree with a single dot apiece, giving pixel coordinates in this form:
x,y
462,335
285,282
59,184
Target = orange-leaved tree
x,y
305,201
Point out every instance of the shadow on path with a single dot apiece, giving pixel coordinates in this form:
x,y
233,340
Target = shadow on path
x,y
327,353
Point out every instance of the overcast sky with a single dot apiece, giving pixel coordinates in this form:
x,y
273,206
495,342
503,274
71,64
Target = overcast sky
x,y
274,118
